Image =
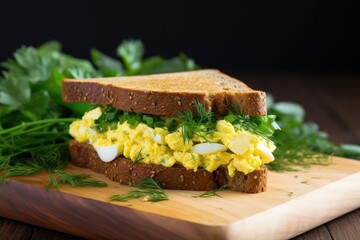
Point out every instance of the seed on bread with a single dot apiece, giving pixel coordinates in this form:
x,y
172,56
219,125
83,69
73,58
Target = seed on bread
x,y
175,177
173,92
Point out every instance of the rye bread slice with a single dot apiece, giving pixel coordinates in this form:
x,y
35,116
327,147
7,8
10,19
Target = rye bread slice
x,y
125,171
166,94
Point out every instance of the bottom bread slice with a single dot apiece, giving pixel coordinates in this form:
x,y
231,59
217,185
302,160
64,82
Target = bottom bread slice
x,y
126,171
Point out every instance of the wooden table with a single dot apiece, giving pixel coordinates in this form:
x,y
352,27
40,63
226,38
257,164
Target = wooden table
x,y
331,101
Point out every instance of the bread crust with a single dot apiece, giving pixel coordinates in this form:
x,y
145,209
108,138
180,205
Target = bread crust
x,y
125,171
150,95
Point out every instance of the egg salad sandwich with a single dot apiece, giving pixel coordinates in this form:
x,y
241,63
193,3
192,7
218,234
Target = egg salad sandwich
x,y
196,130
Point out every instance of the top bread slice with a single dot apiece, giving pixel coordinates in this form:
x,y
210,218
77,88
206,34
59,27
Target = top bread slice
x,y
166,94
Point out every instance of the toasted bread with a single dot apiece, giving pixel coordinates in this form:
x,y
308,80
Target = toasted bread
x,y
177,177
166,94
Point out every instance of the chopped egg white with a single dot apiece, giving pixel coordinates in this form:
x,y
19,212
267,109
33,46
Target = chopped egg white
x,y
240,144
158,138
264,152
107,153
227,146
206,148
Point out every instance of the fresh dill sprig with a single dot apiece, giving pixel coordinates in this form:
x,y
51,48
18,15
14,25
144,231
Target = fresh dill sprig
x,y
147,188
75,180
299,144
201,124
24,168
34,146
139,157
212,193
204,122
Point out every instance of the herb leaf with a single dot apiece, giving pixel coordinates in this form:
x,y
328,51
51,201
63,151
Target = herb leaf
x,y
111,116
75,180
147,188
131,52
263,126
139,157
9,91
157,64
202,124
109,67
31,76
33,146
20,169
212,193
299,144
350,151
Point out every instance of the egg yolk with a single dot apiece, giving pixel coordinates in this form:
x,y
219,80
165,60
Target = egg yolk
x,y
241,150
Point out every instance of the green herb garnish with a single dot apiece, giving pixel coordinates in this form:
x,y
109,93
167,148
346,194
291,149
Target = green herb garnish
x,y
204,123
75,180
299,144
212,193
139,157
201,124
147,188
30,86
33,118
263,126
33,146
110,117
20,169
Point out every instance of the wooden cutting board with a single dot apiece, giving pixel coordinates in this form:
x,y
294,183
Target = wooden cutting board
x,y
294,203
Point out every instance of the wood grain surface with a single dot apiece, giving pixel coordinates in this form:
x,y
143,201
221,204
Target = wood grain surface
x,y
329,101
290,203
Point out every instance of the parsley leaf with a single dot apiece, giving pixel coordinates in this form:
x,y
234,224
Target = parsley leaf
x,y
9,90
33,117
31,83
131,52
159,65
109,67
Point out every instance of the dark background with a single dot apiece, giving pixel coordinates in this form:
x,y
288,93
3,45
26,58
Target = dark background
x,y
244,36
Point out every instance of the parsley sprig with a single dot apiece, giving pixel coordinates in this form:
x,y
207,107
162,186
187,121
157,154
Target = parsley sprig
x,y
30,92
33,118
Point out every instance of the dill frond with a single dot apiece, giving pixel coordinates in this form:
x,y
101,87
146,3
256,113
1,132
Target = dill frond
x,y
212,193
75,180
147,188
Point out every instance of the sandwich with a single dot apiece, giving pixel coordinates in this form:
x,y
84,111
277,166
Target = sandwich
x,y
196,130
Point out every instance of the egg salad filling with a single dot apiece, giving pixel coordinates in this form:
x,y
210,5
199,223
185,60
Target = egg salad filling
x,y
203,141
